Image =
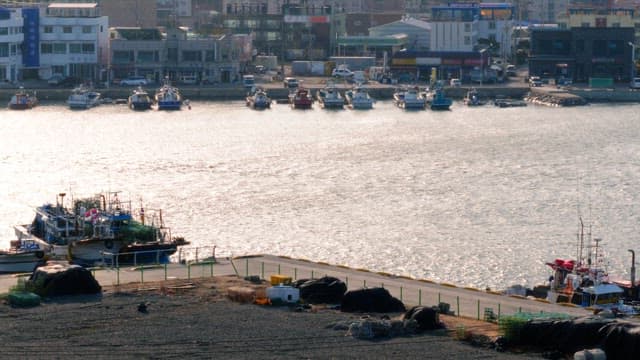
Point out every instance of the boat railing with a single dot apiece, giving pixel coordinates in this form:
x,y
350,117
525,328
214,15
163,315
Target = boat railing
x,y
186,255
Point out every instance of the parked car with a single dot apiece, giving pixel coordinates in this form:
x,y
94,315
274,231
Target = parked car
x,y
55,79
290,82
563,81
511,70
535,81
60,80
635,83
134,81
342,73
455,82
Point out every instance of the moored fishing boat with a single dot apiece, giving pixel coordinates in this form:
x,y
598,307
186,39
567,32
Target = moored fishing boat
x,y
472,98
409,98
301,98
101,229
330,98
437,100
21,256
358,98
23,100
258,99
139,99
584,281
83,97
168,97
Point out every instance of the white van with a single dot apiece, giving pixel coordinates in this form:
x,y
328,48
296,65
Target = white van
x,y
635,83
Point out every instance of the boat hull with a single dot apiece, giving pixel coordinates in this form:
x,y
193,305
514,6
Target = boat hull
x,y
11,263
21,106
169,105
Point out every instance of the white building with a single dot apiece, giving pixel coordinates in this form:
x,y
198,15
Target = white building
x,y
73,41
11,38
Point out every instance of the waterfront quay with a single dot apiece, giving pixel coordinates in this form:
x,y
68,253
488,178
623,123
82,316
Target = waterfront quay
x,y
463,301
510,89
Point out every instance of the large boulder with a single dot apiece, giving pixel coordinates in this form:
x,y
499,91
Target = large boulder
x,y
325,290
61,278
371,300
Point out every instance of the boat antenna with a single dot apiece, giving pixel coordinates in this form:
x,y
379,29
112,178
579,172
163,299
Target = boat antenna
x,y
580,242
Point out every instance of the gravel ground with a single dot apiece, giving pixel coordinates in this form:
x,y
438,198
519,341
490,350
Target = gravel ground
x,y
196,320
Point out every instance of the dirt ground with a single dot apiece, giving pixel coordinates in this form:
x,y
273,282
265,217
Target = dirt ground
x,y
196,319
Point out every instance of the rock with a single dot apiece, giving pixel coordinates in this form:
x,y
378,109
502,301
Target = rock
x,y
61,278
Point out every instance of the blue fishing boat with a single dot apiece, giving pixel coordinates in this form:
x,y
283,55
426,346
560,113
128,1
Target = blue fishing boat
x,y
437,100
168,97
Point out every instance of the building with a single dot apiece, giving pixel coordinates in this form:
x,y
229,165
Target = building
x,y
133,13
455,27
418,32
591,43
73,41
178,54
11,39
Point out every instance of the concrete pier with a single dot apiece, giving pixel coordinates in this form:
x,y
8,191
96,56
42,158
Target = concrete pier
x,y
463,301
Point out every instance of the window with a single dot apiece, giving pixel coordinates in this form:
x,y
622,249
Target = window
x,y
59,48
75,48
4,50
4,31
14,49
122,57
467,27
48,29
67,29
57,69
191,56
147,56
585,25
46,48
492,25
87,29
88,48
467,40
210,55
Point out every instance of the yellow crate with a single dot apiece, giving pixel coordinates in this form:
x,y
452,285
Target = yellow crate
x,y
280,279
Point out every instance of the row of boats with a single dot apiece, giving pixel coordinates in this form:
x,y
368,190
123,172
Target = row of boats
x,y
357,97
89,231
167,97
328,97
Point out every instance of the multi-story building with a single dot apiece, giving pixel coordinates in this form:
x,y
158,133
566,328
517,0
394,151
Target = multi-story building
x,y
11,38
418,32
73,41
178,55
590,43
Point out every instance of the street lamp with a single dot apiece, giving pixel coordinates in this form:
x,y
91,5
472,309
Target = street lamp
x,y
481,65
633,59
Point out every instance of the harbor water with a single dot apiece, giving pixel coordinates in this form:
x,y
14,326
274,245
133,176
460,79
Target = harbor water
x,y
476,196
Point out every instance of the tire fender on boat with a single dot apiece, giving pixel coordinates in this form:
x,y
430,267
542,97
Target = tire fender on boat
x,y
108,244
39,254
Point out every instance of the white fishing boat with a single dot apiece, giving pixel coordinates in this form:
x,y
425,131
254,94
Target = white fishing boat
x,y
329,97
358,98
139,99
22,256
83,97
410,98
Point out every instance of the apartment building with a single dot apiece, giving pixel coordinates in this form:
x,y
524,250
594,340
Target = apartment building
x,y
73,41
11,38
